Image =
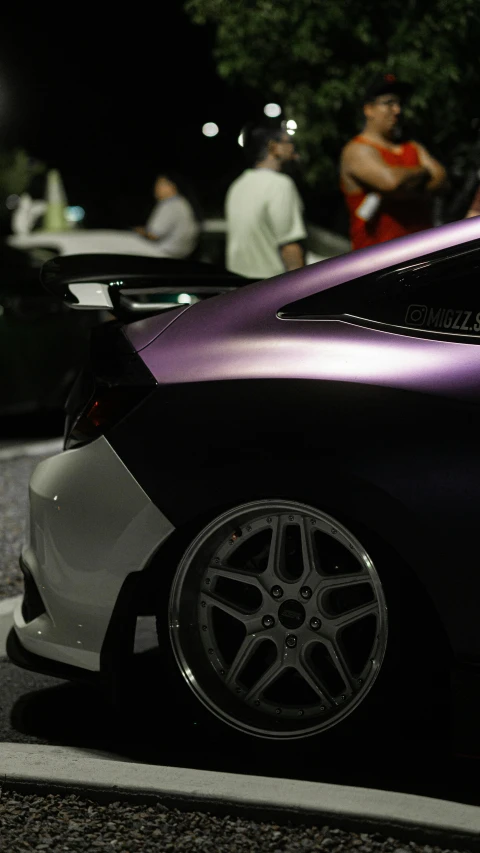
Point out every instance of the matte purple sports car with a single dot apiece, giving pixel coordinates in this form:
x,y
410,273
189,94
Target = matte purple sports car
x,y
287,476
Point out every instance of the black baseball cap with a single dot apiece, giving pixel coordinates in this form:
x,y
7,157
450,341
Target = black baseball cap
x,y
386,84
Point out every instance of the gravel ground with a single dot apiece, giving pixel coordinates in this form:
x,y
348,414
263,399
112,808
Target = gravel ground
x,y
14,478
68,823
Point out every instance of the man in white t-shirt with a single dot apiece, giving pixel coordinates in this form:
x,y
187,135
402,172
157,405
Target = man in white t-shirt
x,y
263,210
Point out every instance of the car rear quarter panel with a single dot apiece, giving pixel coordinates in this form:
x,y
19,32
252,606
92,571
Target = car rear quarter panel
x,y
404,466
374,426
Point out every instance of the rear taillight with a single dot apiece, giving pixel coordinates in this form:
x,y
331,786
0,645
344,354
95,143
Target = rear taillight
x,y
105,409
114,383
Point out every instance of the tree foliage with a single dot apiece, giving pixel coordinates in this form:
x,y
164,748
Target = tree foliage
x,y
316,57
17,169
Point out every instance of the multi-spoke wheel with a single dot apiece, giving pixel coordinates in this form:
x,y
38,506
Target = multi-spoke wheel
x,y
278,619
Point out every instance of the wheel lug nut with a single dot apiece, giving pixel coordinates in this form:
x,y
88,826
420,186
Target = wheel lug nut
x,y
315,623
291,641
306,592
268,621
277,591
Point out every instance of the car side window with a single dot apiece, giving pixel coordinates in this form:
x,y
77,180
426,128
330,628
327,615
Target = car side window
x,y
438,295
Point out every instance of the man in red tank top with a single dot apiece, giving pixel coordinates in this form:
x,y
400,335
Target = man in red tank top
x,y
388,185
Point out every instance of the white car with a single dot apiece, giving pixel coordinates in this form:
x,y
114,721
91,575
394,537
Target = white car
x,y
321,244
82,241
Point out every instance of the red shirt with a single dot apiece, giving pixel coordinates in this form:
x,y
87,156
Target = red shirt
x,y
394,217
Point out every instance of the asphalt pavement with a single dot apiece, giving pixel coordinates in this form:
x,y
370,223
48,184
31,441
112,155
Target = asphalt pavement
x,y
162,749
17,462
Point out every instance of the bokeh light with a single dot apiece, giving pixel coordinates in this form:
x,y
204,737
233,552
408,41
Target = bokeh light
x,y
12,201
75,213
272,110
210,129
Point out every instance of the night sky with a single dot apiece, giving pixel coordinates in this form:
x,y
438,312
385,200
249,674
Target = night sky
x,y
112,104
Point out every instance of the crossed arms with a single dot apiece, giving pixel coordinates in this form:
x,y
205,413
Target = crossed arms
x,y
364,166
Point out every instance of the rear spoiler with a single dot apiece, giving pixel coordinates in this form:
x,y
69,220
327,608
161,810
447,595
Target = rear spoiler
x,y
133,284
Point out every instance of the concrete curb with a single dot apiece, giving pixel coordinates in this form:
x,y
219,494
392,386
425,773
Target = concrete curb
x,y
14,449
53,769
7,606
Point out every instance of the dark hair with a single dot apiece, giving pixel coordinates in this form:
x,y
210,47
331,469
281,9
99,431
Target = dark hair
x,y
386,84
184,188
256,140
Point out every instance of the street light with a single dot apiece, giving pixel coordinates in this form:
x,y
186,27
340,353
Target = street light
x,y
241,140
210,129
